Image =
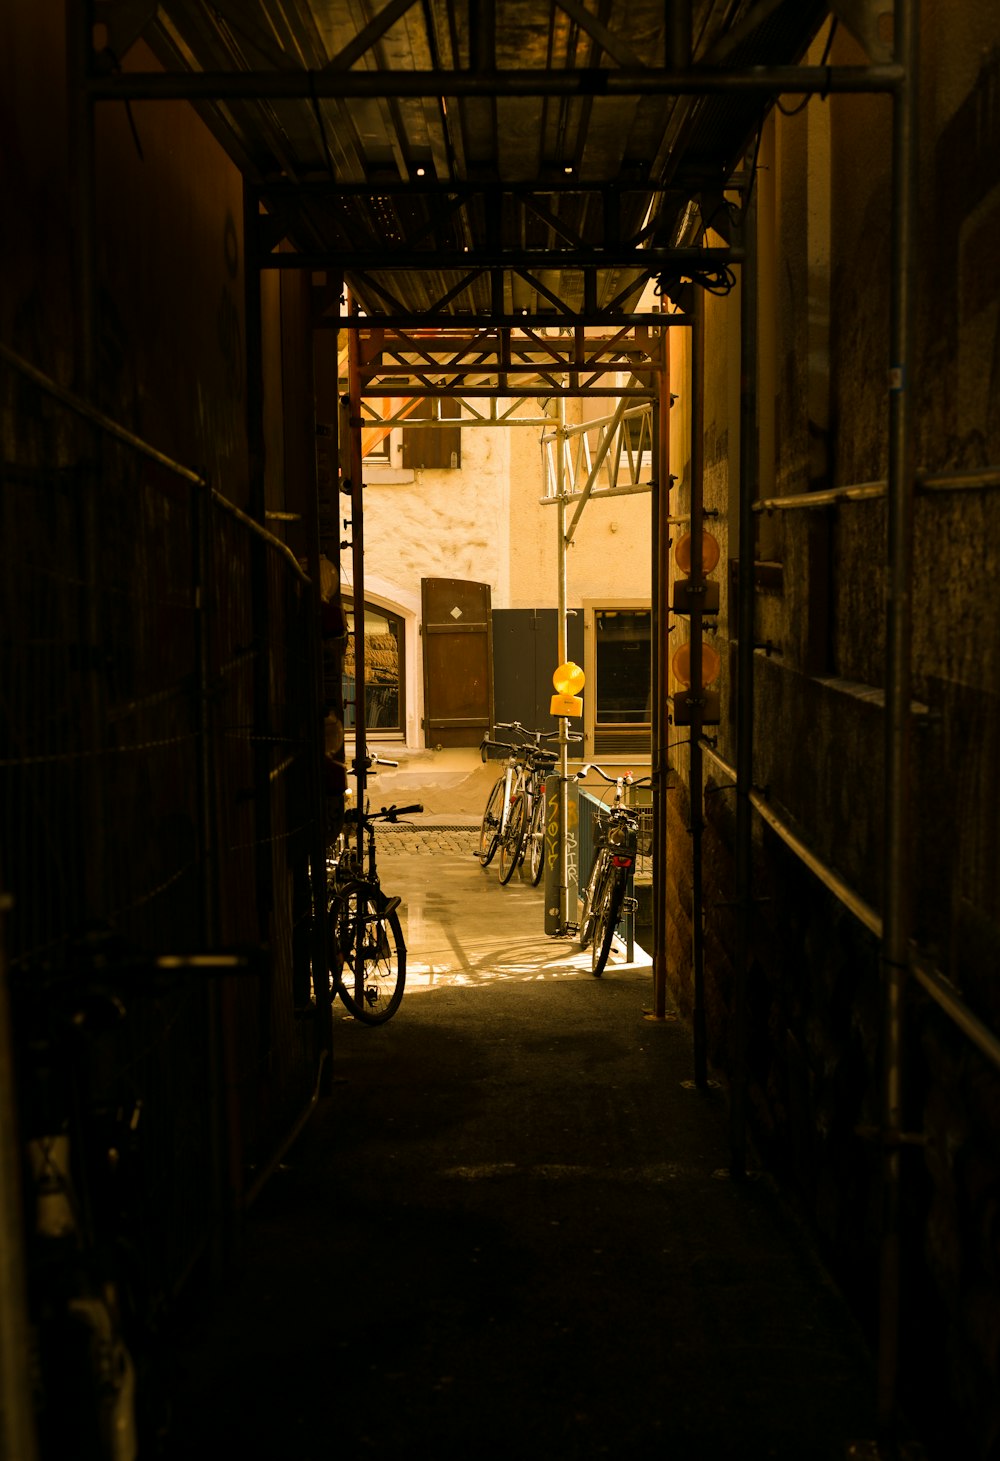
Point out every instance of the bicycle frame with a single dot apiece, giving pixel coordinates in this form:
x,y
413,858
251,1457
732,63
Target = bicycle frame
x,y
522,780
615,851
366,934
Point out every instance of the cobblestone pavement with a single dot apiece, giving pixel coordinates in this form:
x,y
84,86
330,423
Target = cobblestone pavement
x,y
393,841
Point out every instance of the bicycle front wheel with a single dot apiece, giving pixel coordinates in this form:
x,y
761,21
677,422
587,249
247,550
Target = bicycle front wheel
x,y
536,840
606,917
368,942
489,831
513,836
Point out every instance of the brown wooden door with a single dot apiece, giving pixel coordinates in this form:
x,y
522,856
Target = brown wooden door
x,y
458,661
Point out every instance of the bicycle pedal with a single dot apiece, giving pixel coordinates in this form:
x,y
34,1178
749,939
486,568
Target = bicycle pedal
x,y
630,905
391,905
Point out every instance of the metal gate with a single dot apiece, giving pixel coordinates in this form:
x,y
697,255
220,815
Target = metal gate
x,y
525,653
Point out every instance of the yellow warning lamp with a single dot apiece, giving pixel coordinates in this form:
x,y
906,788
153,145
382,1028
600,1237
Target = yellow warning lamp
x,y
699,703
681,665
567,679
696,593
709,553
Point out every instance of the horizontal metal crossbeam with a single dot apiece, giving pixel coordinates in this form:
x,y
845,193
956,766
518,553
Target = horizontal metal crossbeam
x,y
584,81
394,363
484,319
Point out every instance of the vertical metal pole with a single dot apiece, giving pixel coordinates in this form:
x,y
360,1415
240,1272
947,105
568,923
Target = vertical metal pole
x,y
321,952
17,1418
681,30
661,644
257,505
697,820
219,1133
562,650
83,192
82,159
358,566
898,723
744,684
201,528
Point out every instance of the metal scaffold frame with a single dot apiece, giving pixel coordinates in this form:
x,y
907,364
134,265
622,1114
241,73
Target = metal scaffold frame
x,y
511,370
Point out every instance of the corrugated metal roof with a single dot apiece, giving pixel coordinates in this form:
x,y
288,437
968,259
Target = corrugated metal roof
x,y
538,175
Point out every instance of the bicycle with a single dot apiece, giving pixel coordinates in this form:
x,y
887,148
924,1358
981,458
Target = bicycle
x,y
96,1306
368,953
503,818
616,841
514,818
540,763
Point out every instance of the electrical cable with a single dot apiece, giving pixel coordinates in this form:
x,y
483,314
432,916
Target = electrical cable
x,y
801,106
322,126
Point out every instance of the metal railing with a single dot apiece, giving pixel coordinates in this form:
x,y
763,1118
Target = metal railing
x,y
158,781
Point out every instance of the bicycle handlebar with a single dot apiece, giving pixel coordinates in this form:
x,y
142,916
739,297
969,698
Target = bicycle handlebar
x,y
372,758
536,735
507,747
627,779
386,814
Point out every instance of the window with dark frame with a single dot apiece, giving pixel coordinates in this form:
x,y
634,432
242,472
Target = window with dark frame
x,y
385,697
433,446
623,673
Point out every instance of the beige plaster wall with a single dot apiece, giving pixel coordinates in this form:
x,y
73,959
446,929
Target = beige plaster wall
x,y
442,523
486,521
609,556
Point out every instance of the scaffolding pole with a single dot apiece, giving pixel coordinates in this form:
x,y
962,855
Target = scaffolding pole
x,y
660,678
696,693
562,653
744,686
898,700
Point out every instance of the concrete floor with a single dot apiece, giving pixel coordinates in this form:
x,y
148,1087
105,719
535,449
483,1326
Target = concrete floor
x,y
509,1232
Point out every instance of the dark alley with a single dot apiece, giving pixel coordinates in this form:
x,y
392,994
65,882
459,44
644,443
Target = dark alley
x,y
577,421
510,1231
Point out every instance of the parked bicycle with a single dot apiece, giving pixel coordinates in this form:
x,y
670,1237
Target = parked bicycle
x,y
616,840
366,938
503,818
514,819
96,1302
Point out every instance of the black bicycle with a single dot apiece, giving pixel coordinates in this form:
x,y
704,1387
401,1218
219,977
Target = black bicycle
x,y
97,1307
616,841
368,952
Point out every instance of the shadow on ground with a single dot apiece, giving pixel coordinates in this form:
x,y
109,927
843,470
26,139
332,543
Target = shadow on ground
x,y
509,1232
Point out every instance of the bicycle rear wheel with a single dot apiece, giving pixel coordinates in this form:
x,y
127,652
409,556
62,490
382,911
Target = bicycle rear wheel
x,y
536,840
592,897
606,918
489,831
368,936
513,836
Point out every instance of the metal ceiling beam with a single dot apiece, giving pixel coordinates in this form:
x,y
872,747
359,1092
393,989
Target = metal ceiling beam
x,y
541,389
302,85
571,349
402,258
464,190
394,371
485,320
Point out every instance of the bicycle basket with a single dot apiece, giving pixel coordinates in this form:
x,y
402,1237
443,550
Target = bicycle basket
x,y
616,832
